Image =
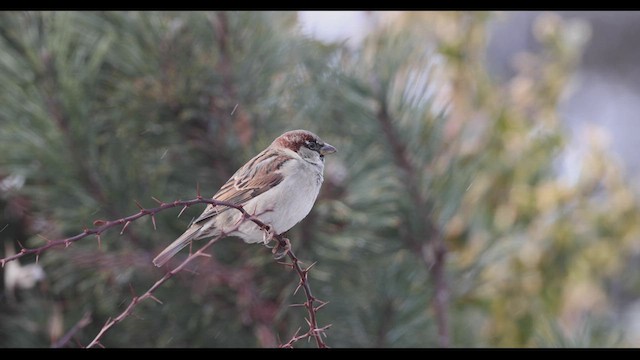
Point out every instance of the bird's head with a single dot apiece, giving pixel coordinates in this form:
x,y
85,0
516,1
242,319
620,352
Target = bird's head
x,y
306,144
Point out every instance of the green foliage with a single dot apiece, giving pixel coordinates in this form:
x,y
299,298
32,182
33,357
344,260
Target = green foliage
x,y
103,108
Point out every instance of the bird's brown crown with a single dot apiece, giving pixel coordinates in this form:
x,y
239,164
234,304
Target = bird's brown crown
x,y
296,138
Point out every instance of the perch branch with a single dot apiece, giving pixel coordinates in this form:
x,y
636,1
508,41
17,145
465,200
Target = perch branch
x,y
314,331
102,225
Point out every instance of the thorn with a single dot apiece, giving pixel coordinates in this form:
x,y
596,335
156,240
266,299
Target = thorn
x,y
309,267
183,209
297,332
99,242
37,257
158,201
153,221
198,191
204,255
21,247
155,299
324,303
285,264
42,237
297,305
308,322
100,344
4,227
234,110
98,222
124,227
67,244
297,288
2,262
138,205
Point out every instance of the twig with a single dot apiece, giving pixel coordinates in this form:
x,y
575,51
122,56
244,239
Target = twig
x,y
102,225
148,294
84,321
314,331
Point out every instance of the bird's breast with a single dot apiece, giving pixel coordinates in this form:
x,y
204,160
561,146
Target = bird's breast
x,y
285,205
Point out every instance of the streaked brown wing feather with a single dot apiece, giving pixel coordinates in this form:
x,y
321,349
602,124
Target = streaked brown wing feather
x,y
264,174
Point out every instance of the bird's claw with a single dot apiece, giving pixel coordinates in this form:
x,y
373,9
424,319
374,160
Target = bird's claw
x,y
279,251
267,236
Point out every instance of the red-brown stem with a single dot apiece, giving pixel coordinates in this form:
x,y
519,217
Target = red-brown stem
x,y
314,330
105,225
148,294
84,321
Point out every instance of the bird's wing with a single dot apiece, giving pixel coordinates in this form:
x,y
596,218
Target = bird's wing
x,y
259,175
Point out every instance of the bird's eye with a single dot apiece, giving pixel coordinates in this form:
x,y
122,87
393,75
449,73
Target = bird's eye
x,y
313,145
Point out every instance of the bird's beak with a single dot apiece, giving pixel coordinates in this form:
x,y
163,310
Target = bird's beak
x,y
327,149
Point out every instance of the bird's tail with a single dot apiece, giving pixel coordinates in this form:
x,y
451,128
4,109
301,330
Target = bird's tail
x,y
177,245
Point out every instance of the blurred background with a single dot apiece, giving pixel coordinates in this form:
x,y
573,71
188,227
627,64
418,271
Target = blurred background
x,y
484,193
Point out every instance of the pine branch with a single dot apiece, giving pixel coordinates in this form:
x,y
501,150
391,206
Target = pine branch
x,y
434,240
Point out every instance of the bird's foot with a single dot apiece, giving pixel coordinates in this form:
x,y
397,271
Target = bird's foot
x,y
268,235
280,249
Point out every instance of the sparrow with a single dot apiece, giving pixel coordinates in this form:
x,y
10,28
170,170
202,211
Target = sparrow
x,y
279,186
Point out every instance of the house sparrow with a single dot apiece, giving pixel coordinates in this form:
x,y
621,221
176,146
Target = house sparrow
x,y
279,186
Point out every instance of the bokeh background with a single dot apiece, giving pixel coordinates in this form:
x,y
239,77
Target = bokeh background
x,y
484,193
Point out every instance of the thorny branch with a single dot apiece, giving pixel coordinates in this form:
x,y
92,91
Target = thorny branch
x,y
102,226
314,331
84,321
148,294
